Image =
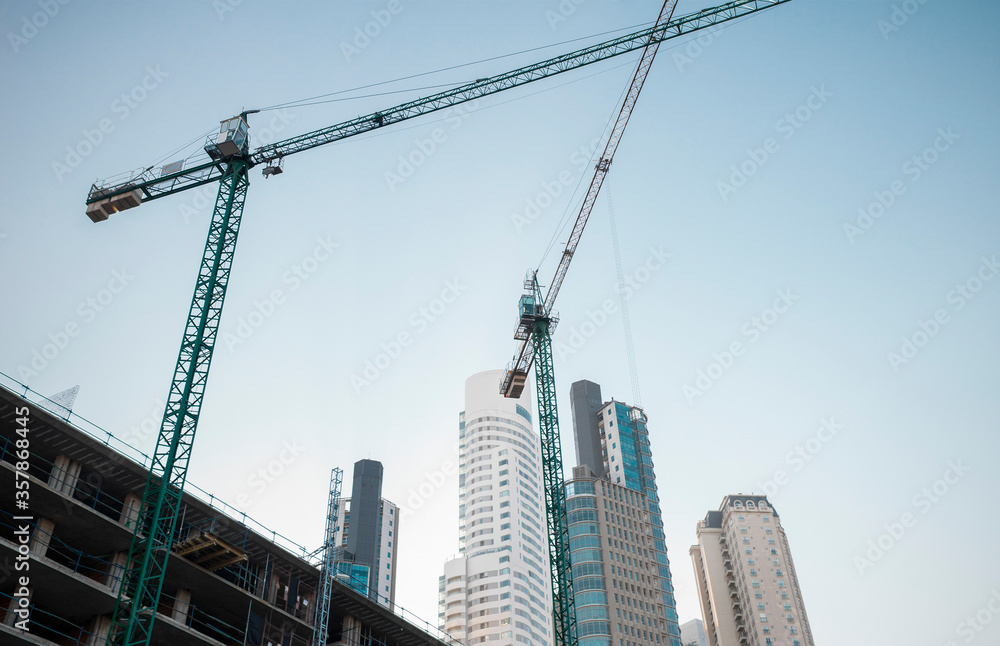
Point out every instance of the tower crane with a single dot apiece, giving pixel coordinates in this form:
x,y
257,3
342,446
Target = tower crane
x,y
536,321
228,161
537,318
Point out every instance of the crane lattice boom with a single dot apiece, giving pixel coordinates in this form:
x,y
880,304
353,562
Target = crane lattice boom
x,y
155,182
664,29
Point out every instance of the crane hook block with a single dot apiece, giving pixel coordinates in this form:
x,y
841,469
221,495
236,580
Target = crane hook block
x,y
274,167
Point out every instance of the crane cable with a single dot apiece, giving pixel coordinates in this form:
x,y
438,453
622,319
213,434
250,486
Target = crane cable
x,y
629,349
573,205
313,99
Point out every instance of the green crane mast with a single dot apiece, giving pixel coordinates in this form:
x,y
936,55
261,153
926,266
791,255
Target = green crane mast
x,y
228,162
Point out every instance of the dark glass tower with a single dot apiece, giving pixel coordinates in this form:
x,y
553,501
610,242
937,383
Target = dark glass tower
x,y
366,506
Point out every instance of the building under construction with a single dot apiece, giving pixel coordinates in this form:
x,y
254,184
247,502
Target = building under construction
x,y
229,581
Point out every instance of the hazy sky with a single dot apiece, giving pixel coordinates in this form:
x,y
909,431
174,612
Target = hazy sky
x,y
805,201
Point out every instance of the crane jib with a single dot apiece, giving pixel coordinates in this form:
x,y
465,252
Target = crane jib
x,y
155,183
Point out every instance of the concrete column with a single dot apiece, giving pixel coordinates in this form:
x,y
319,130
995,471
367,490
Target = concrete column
x,y
65,474
310,605
350,631
182,606
41,537
116,570
18,602
130,510
100,626
272,587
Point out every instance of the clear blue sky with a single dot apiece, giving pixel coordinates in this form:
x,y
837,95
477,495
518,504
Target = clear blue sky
x,y
823,103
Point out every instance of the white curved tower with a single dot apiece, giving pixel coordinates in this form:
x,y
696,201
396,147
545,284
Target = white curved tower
x,y
497,589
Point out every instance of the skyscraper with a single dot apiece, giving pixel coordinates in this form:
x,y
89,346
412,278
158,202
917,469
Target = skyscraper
x,y
498,587
585,404
693,633
747,585
616,578
366,532
626,460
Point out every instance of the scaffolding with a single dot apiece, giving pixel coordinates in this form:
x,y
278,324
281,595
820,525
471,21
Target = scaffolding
x,y
327,571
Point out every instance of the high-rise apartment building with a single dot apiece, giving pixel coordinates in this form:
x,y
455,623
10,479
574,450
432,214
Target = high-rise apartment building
x,y
620,432
498,588
366,531
747,586
616,577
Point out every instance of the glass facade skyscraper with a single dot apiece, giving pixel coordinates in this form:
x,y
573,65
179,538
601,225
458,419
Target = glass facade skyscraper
x,y
627,462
